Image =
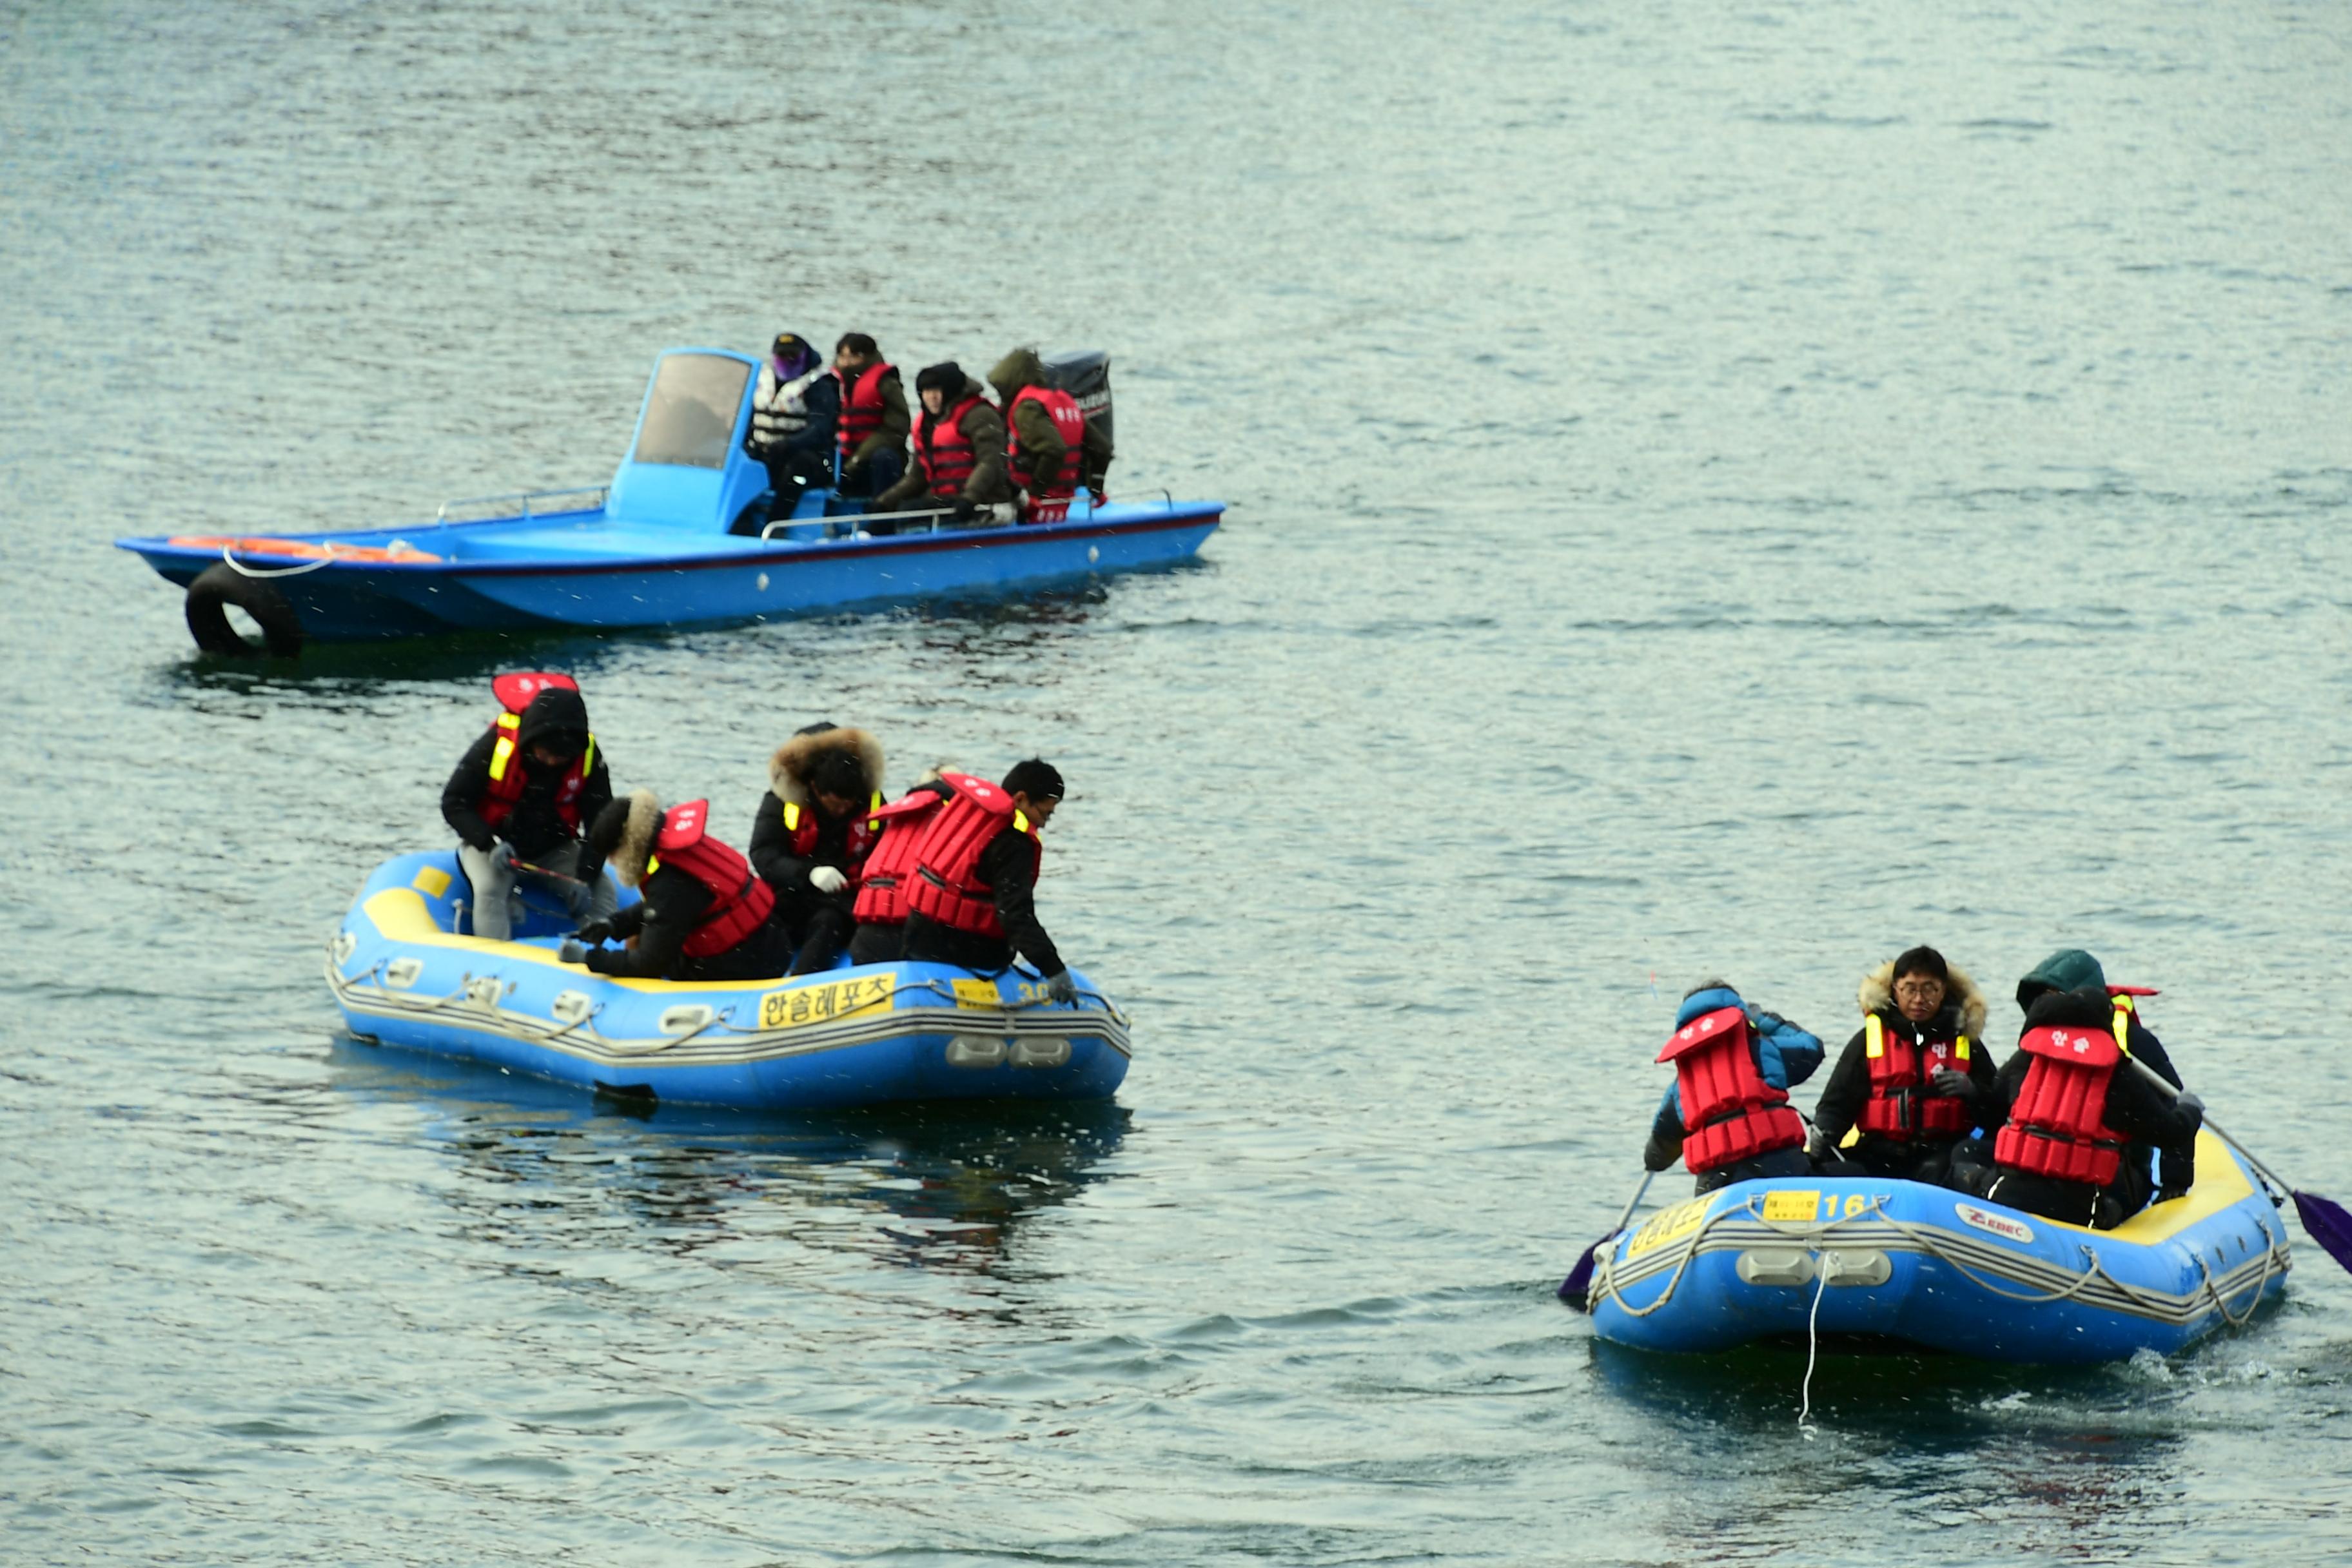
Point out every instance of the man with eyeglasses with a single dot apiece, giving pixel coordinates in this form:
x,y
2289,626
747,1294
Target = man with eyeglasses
x,y
1915,1080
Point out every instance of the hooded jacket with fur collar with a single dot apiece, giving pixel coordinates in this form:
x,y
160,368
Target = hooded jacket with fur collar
x,y
1963,1012
790,783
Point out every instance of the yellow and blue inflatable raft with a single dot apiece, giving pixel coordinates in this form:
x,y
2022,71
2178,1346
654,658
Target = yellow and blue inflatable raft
x,y
1891,1260
874,1034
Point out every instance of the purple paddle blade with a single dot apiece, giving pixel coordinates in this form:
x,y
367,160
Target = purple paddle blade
x,y
1576,1288
2325,1221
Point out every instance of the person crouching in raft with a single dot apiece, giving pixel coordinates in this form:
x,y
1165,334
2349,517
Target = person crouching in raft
x,y
1915,1078
881,908
2071,1107
972,901
1728,1113
705,913
519,797
811,837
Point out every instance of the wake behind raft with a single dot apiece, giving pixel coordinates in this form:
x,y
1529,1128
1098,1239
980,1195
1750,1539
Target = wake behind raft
x,y
1893,1260
873,1035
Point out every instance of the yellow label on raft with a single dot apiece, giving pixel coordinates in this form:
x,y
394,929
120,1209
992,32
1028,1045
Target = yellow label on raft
x,y
832,999
430,880
977,993
1667,1225
1804,1206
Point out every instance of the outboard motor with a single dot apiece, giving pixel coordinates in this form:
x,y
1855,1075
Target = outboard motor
x,y
1085,375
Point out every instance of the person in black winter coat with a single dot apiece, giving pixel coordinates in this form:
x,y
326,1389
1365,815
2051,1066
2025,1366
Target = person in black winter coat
x,y
673,903
2135,1107
2071,969
809,839
1007,866
540,829
1925,1008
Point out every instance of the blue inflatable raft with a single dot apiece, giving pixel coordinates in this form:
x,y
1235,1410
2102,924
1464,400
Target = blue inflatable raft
x,y
876,1035
1902,1261
681,536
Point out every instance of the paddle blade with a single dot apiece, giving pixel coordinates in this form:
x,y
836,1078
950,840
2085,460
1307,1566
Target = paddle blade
x,y
2325,1221
1576,1288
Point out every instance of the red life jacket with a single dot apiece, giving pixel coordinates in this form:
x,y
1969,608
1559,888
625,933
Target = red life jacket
x,y
861,407
801,822
739,900
946,886
2058,1127
510,765
1729,1112
898,832
1049,494
1901,1104
944,451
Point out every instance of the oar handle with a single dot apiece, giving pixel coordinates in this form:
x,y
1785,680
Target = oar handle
x,y
2164,1087
1633,1203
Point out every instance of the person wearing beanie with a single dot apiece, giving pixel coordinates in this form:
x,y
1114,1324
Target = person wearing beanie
x,y
813,830
2074,1120
1052,448
958,450
704,915
1915,1080
518,798
870,436
2071,969
971,901
793,412
1726,1115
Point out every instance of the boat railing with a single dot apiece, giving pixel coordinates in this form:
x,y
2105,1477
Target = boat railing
x,y
934,516
522,502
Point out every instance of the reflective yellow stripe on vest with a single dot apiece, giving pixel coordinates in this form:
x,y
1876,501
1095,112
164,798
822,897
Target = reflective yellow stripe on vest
x,y
503,752
791,816
1874,1034
2123,1021
653,864
588,757
1019,821
1959,1048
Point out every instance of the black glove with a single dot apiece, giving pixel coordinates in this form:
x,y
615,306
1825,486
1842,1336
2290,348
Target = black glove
x,y
1061,987
485,844
966,509
1819,1145
1656,1155
1953,1084
596,933
572,953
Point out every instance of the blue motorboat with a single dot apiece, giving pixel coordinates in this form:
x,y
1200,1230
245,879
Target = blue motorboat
x,y
681,536
1903,1261
404,973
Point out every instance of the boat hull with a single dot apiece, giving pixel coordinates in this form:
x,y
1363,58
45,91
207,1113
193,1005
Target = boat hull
x,y
875,1035
589,571
1901,1260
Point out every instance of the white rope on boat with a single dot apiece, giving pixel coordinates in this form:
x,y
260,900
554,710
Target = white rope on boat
x,y
1822,1265
234,566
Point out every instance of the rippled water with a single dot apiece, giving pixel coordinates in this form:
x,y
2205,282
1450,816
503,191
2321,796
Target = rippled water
x,y
1712,491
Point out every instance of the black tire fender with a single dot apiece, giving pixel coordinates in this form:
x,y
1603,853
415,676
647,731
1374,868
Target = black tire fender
x,y
220,585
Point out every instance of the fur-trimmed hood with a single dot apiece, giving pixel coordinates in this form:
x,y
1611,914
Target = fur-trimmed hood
x,y
1877,991
629,855
788,770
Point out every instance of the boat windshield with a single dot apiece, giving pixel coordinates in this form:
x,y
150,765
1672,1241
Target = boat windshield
x,y
691,412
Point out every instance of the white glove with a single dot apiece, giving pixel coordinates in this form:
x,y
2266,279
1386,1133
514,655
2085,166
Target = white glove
x,y
1003,512
827,879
